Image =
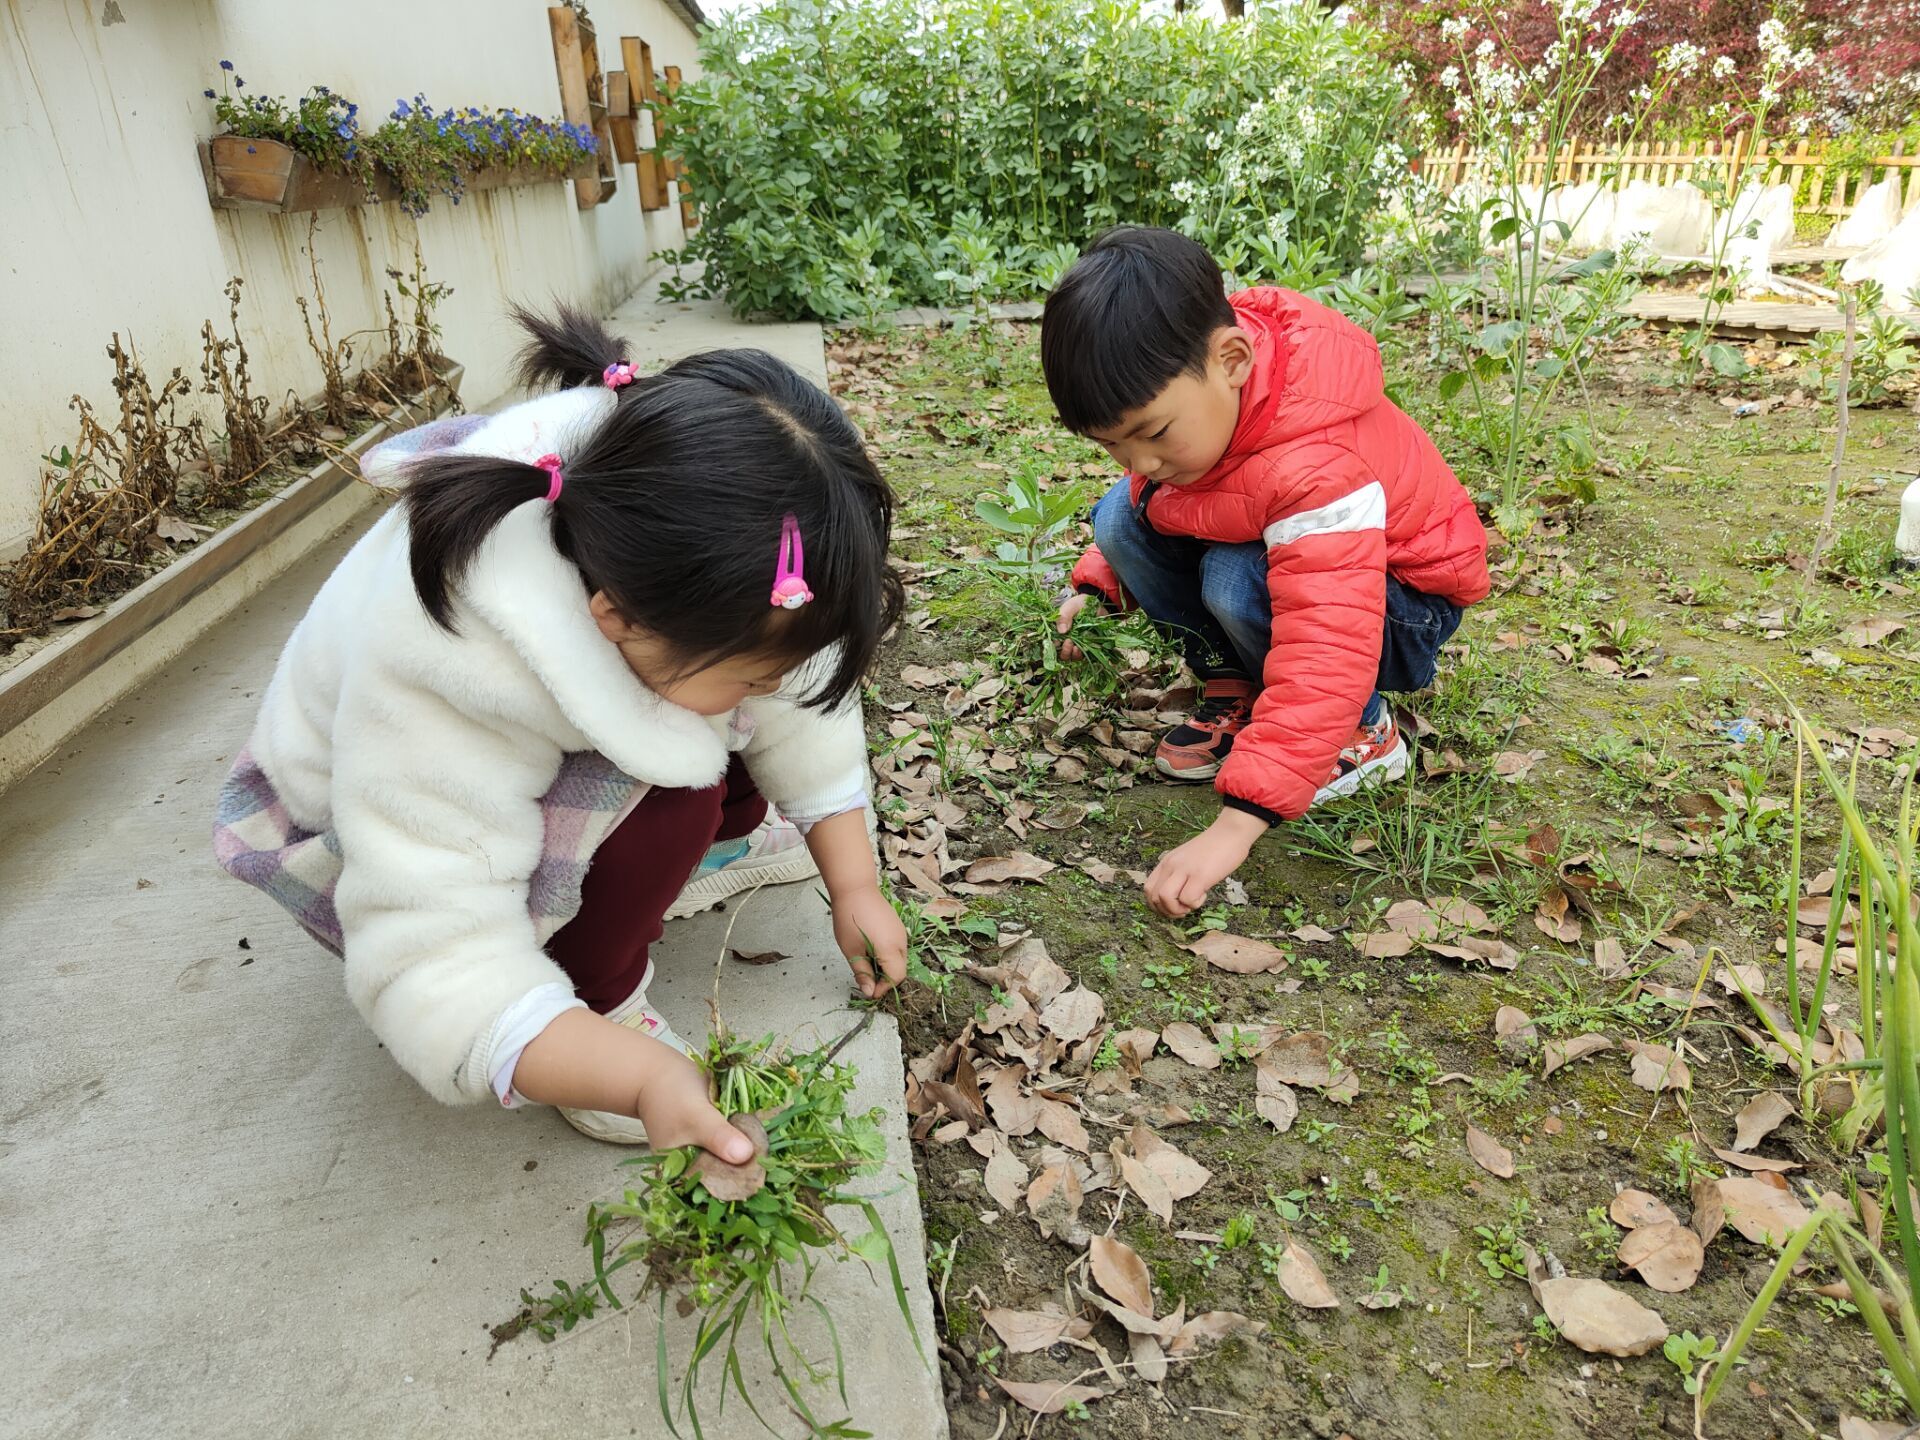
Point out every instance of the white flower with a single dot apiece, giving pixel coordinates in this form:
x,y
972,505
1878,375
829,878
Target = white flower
x,y
1681,58
1450,77
1773,41
1624,18
1768,94
1213,140
1483,49
1185,192
1454,29
1723,67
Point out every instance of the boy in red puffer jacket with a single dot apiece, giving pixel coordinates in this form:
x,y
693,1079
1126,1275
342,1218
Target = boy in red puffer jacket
x,y
1288,525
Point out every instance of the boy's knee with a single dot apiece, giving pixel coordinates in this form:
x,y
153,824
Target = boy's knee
x,y
1232,585
1115,528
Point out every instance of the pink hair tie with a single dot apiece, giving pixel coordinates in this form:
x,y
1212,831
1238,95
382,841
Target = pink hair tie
x,y
551,464
790,590
617,374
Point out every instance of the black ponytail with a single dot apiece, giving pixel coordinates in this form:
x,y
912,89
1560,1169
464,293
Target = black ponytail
x,y
453,502
674,506
573,348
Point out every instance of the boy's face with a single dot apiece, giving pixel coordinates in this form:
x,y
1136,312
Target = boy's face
x,y
1182,432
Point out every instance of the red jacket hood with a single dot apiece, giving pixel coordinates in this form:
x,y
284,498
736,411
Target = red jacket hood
x,y
1312,368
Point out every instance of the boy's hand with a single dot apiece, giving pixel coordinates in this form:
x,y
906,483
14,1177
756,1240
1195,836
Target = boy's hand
x,y
870,936
1180,882
1070,609
675,1108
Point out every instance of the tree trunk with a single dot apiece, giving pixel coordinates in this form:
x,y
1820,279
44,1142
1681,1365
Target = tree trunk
x,y
1235,8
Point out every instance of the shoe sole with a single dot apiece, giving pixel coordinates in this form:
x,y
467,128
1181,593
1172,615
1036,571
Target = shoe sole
x,y
1192,774
1381,770
723,884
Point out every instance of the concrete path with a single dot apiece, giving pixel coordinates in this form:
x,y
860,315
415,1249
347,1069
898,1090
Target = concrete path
x,y
224,1212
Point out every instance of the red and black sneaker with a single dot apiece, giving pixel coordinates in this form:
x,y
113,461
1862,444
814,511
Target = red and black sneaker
x,y
1375,755
1199,746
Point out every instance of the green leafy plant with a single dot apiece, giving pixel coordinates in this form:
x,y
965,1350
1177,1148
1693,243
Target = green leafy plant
x,y
851,155
1688,1353
741,1244
1522,332
1883,351
1887,1076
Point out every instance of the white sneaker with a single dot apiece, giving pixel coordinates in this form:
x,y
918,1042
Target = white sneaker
x,y
635,1014
774,854
1376,754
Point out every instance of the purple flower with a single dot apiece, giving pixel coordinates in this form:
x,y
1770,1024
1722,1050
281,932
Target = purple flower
x,y
238,83
226,64
211,95
401,110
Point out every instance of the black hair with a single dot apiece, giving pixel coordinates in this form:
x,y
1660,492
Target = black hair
x,y
674,506
1137,310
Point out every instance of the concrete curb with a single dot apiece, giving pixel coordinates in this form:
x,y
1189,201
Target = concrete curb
x,y
49,697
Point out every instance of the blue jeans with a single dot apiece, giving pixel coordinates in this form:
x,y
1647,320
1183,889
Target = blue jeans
x,y
1212,601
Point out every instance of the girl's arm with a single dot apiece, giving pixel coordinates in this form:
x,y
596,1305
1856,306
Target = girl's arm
x,y
587,1062
864,921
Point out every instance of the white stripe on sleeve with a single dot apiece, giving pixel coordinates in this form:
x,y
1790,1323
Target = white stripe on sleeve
x,y
1364,509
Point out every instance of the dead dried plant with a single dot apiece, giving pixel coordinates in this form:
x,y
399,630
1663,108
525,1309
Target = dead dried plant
x,y
103,501
223,372
336,398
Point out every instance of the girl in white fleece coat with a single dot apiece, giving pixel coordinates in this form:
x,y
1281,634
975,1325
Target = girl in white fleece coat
x,y
550,686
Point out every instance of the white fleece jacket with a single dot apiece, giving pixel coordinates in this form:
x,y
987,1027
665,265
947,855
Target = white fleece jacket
x,y
428,752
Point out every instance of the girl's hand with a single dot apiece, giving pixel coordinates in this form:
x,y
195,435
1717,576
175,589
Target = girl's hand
x,y
1070,609
674,1106
870,935
588,1062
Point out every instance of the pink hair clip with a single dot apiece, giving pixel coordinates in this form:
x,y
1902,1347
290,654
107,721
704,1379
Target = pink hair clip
x,y
790,590
619,373
551,464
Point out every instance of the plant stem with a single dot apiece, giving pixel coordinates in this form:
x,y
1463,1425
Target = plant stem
x,y
1845,385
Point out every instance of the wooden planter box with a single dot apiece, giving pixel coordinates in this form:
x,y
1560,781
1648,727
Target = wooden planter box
x,y
247,174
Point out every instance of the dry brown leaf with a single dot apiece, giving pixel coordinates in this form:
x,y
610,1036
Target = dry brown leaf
x,y
1414,919
1458,914
728,1182
1184,1176
1383,945
1667,1256
1345,1088
1313,935
1609,958
1275,1103
1657,1068
1488,951
993,869
1119,1270
1025,1331
1489,1154
1556,1053
1014,1112
1760,1212
1239,955
1513,766
1302,1059
1303,1280
1006,1178
1146,1183
1553,919
1852,1427
1190,1043
1073,1015
1048,1397
1514,1030
1060,1123
1055,1198
1213,1325
1731,977
1865,633
1593,1316
1759,1118
1740,1159
1635,1208
1148,1357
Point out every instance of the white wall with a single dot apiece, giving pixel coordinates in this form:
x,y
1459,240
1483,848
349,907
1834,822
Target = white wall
x,y
105,225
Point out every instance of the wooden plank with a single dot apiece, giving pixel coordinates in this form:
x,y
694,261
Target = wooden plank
x,y
620,118
637,56
689,217
569,65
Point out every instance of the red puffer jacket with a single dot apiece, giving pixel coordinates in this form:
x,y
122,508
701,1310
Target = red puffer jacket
x,y
1344,488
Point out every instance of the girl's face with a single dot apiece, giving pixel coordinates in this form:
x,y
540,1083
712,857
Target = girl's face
x,y
712,690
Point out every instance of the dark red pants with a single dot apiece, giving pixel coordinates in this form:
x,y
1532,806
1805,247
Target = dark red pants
x,y
637,873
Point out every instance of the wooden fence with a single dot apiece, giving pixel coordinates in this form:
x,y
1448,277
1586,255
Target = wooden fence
x,y
1821,186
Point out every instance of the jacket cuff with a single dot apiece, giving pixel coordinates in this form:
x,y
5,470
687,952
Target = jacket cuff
x,y
1247,807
